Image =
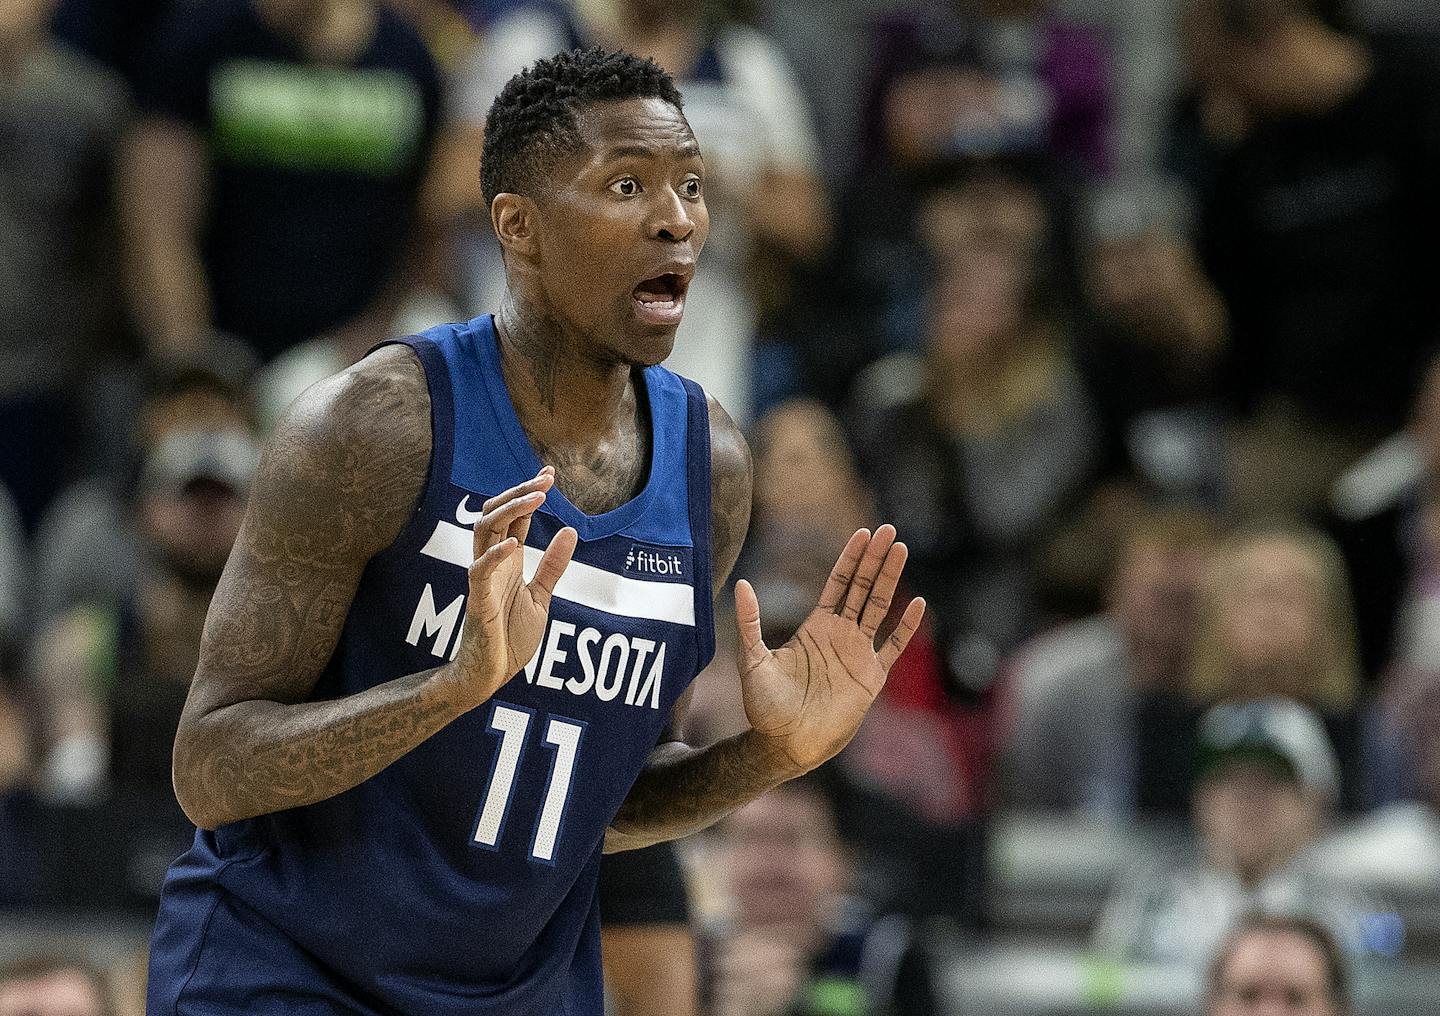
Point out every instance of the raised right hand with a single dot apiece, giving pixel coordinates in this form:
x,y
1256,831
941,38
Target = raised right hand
x,y
505,615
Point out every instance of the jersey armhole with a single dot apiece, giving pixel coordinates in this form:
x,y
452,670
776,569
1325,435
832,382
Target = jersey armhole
x,y
697,441
442,445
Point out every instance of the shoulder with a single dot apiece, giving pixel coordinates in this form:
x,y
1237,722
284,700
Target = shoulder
x,y
360,439
731,481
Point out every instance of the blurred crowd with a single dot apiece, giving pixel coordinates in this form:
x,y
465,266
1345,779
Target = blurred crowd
x,y
1118,311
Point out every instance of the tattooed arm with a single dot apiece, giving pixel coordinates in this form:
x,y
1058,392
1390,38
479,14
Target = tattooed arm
x,y
337,483
804,700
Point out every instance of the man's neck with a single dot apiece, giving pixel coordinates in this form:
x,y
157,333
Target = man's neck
x,y
564,394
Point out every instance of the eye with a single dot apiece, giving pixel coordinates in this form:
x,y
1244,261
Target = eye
x,y
691,187
626,186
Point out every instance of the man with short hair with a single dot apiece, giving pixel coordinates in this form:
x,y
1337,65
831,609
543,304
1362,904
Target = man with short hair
x,y
1267,781
407,743
1278,966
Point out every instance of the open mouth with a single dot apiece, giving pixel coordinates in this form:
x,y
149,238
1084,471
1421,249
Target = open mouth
x,y
661,300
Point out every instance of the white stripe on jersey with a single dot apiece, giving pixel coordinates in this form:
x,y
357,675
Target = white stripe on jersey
x,y
582,583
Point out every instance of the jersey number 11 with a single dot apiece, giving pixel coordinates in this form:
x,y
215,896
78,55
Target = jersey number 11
x,y
563,736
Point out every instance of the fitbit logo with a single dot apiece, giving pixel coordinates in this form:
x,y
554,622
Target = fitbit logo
x,y
665,563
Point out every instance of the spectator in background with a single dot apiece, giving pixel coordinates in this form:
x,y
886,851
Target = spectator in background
x,y
88,548
984,459
1267,781
270,188
1320,229
1152,351
53,986
113,672
762,182
59,121
1098,701
983,77
793,941
1278,966
1276,619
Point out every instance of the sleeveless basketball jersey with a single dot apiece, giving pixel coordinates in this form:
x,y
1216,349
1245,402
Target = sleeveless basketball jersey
x,y
462,878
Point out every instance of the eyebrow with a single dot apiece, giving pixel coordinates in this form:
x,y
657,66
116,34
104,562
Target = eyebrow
x,y
689,150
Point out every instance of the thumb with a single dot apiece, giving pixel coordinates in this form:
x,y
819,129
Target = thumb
x,y
747,620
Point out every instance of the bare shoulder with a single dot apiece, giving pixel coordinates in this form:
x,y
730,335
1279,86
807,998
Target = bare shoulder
x,y
731,481
353,449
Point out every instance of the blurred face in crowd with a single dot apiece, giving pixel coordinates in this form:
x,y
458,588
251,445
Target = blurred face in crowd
x,y
59,993
1253,819
1273,973
1155,598
804,473
978,313
191,518
785,863
1272,614
990,212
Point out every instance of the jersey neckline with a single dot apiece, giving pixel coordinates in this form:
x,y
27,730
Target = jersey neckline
x,y
590,527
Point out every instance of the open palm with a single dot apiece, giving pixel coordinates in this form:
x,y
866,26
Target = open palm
x,y
808,696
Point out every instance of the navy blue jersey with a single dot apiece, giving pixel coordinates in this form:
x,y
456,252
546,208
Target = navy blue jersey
x,y
462,878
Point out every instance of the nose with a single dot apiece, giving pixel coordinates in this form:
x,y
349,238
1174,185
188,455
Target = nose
x,y
674,221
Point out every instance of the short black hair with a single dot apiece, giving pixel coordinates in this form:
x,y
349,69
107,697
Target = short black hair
x,y
1337,972
535,120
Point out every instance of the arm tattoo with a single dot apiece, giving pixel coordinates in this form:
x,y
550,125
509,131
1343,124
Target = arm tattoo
x,y
337,483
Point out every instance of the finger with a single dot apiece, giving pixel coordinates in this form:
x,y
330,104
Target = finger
x,y
493,525
542,480
484,565
882,594
900,637
868,571
747,620
520,528
839,581
553,564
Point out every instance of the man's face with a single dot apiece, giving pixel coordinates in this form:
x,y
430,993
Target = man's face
x,y
621,227
784,862
1273,973
1156,594
1254,820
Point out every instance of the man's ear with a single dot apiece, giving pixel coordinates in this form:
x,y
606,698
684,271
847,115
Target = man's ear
x,y
515,219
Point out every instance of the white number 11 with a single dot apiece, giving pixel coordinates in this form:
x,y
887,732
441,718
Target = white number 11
x,y
560,734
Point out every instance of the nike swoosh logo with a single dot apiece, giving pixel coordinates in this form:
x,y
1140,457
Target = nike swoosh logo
x,y
464,517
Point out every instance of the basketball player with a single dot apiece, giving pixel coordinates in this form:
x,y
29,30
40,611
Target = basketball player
x,y
408,743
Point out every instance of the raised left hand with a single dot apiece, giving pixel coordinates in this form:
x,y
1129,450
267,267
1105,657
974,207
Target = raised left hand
x,y
807,698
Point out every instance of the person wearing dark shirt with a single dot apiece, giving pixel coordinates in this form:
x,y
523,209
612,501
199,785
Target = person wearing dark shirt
x,y
1320,227
270,188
